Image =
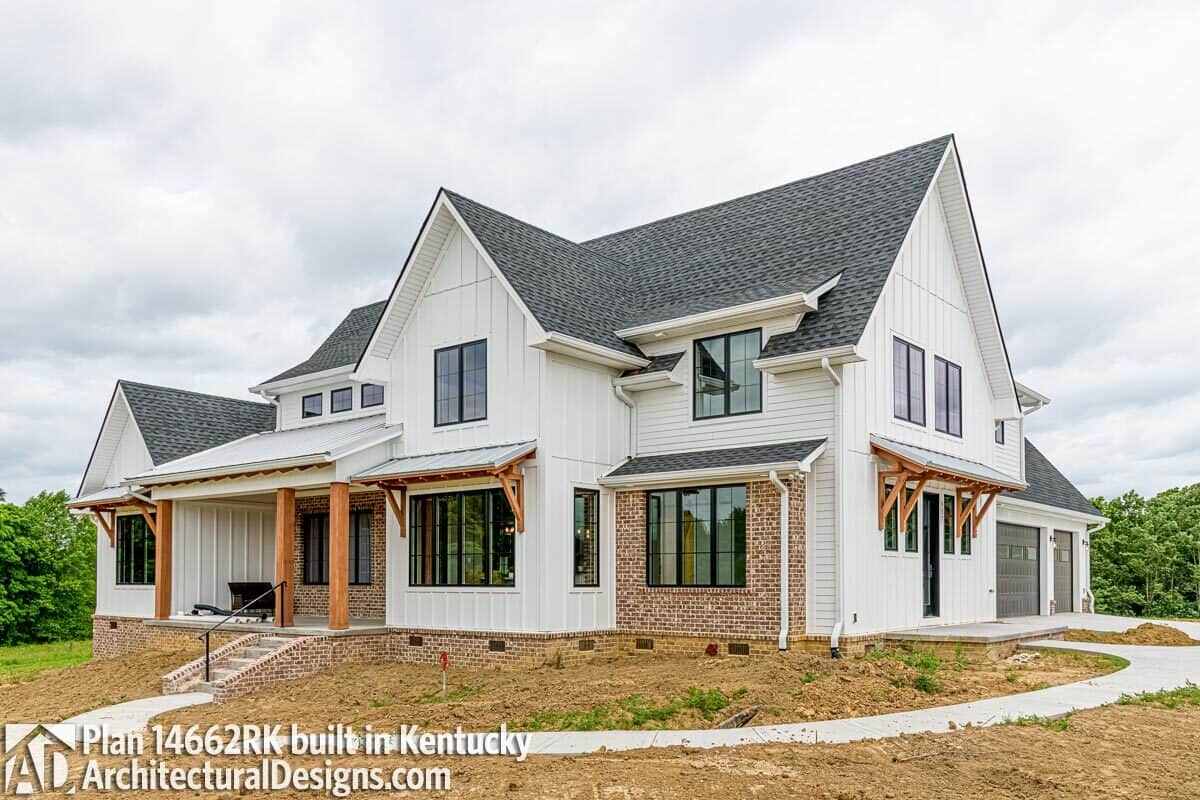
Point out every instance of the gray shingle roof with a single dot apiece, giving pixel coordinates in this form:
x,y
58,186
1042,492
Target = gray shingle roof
x,y
788,239
659,363
342,347
1050,487
716,459
791,238
175,423
569,288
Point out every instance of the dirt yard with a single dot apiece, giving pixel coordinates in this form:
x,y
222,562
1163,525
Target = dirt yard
x,y
1146,633
646,692
1125,751
56,694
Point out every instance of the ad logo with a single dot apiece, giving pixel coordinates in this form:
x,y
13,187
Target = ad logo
x,y
35,757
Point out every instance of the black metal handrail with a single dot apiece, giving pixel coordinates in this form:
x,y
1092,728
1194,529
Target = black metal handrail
x,y
208,633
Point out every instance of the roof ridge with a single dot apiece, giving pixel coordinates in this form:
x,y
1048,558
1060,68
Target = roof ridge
x,y
947,137
546,231
255,403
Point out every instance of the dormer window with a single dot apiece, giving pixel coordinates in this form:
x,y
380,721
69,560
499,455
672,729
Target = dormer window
x,y
372,395
311,405
341,400
725,382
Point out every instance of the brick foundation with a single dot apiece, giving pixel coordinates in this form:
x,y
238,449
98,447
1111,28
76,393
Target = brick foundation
x,y
749,613
119,636
369,600
1086,605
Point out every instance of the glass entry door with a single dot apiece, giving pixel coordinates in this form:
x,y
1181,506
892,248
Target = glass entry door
x,y
931,506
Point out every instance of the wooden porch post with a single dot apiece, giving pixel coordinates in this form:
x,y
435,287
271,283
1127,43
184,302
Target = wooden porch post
x,y
285,555
339,556
162,559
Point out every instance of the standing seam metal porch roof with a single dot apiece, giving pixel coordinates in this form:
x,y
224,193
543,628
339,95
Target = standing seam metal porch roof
x,y
945,462
491,457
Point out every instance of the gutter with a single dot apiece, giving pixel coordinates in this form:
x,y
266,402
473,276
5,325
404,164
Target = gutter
x,y
1088,586
783,559
835,637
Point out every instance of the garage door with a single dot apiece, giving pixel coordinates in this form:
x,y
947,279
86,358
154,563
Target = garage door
x,y
1016,570
1064,572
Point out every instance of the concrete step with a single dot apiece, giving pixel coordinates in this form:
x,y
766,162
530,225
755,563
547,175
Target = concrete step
x,y
200,686
238,663
275,642
221,673
257,652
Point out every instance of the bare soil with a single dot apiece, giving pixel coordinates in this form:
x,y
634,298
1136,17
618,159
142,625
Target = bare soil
x,y
1112,752
56,694
645,692
1146,633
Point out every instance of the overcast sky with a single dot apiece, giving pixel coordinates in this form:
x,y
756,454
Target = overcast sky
x,y
195,195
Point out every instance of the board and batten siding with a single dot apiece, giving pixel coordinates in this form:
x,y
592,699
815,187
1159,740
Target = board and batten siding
x,y
567,406
214,543
1010,456
796,405
924,303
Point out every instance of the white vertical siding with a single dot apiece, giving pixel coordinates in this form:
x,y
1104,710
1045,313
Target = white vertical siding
x,y
214,544
924,303
290,405
1008,455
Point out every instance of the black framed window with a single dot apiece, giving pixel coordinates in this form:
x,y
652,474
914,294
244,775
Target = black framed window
x,y
462,539
948,524
135,552
910,530
999,431
586,516
460,383
891,541
964,539
725,382
316,549
908,382
372,395
341,400
696,537
311,405
947,396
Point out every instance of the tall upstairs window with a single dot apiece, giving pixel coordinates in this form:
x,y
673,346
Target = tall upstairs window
x,y
725,382
460,383
908,382
947,397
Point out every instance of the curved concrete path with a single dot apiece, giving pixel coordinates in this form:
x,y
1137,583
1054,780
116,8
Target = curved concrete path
x,y
1150,669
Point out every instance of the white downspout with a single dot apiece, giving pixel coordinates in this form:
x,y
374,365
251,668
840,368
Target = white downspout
x,y
619,391
835,637
1087,588
783,559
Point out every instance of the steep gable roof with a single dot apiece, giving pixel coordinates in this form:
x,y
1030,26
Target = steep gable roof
x,y
569,288
1050,487
342,347
175,422
792,238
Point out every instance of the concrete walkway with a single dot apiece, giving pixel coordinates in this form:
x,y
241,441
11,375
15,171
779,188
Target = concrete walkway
x,y
1150,669
135,715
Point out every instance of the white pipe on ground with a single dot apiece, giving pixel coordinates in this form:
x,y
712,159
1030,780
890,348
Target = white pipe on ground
x,y
783,559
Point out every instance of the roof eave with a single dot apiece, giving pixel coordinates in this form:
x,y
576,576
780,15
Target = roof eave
x,y
229,470
1020,502
565,344
794,304
298,382
792,362
713,474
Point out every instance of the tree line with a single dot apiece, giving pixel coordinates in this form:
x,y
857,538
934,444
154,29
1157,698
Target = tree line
x,y
1146,561
47,571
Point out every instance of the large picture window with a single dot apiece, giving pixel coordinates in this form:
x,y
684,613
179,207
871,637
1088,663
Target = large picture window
x,y
135,552
947,397
908,382
587,537
316,548
462,539
696,537
725,382
460,383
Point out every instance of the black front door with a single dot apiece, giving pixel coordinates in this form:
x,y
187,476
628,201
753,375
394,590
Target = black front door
x,y
930,550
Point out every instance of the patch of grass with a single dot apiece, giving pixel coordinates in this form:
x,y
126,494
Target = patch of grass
x,y
927,684
961,661
380,702
461,693
706,702
924,661
739,693
1051,724
1012,677
1188,695
24,662
807,678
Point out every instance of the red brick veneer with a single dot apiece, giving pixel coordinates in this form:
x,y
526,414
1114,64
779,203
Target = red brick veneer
x,y
365,601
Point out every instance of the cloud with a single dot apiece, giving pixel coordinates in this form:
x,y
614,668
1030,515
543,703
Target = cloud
x,y
194,194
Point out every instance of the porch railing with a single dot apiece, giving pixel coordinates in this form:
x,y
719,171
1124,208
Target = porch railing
x,y
206,636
